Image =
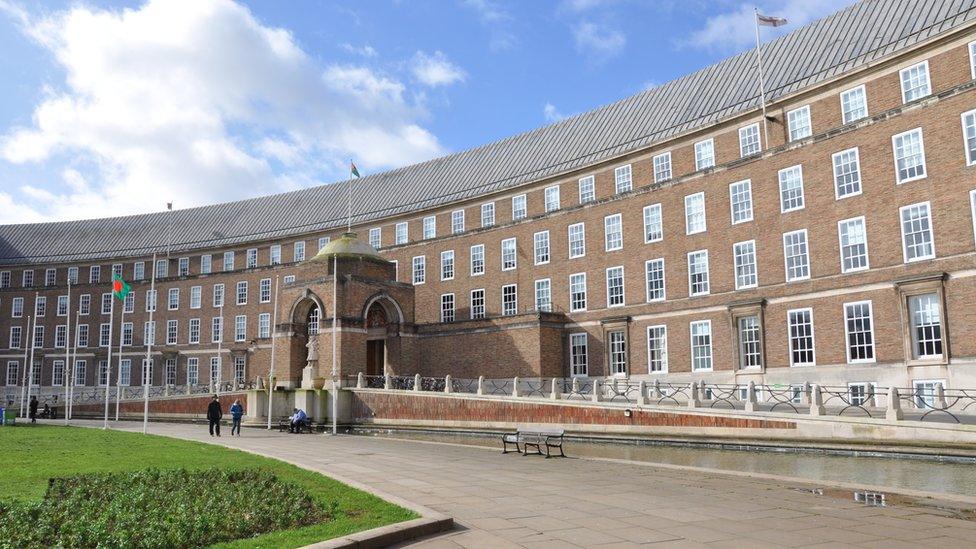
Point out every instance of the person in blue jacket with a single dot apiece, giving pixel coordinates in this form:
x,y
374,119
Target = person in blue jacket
x,y
236,413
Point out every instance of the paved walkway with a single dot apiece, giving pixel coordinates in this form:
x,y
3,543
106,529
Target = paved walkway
x,y
502,501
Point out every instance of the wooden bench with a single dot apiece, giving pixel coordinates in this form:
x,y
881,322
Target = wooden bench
x,y
536,437
305,426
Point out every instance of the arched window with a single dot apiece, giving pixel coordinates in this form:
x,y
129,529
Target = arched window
x,y
313,321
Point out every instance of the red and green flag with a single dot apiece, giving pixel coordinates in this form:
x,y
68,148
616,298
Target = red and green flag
x,y
120,288
352,169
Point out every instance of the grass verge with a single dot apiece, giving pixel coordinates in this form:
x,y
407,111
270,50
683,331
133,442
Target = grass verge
x,y
29,457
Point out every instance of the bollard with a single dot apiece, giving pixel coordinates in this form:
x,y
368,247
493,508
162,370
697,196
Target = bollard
x,y
576,388
360,381
751,397
515,391
805,397
416,382
553,393
893,409
642,390
694,400
387,381
481,385
447,383
816,402
597,390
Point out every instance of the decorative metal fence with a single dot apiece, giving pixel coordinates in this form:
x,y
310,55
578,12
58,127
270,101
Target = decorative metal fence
x,y
952,406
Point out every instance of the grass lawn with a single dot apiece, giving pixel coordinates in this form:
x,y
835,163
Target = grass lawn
x,y
32,455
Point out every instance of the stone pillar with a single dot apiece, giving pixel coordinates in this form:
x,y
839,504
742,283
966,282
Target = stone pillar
x,y
871,401
642,390
751,397
481,385
416,382
553,393
816,402
360,381
805,396
576,387
166,389
447,383
515,390
893,409
939,401
387,382
694,400
658,395
597,390
189,389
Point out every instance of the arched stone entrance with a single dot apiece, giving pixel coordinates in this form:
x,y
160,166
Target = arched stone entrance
x,y
381,319
305,322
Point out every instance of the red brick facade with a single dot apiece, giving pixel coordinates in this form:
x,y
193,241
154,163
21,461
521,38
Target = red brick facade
x,y
530,343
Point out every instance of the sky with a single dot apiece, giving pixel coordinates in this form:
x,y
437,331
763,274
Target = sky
x,y
114,108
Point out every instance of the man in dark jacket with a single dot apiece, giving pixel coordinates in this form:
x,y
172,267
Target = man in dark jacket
x,y
32,409
214,413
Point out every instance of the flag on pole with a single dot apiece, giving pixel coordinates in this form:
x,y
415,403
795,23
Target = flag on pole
x,y
770,21
352,169
120,288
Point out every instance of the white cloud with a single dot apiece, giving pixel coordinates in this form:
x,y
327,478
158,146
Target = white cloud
x,y
365,51
435,70
736,30
497,20
551,113
198,102
597,40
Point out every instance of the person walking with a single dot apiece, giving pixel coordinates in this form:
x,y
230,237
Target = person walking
x,y
32,409
236,413
214,413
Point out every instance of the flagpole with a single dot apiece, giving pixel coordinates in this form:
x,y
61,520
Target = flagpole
x,y
762,84
349,202
67,353
335,336
147,363
274,320
220,343
24,374
108,362
118,376
74,360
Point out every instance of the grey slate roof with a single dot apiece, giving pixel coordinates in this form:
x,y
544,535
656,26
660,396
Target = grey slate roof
x,y
848,39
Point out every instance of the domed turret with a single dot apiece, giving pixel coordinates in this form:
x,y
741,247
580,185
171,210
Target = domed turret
x,y
347,246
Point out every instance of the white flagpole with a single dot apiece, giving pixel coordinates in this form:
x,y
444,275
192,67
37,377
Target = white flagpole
x,y
349,201
118,376
67,354
74,360
274,320
220,343
147,364
108,361
762,84
335,336
24,375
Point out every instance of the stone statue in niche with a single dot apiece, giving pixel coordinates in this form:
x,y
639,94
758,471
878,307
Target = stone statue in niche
x,y
313,349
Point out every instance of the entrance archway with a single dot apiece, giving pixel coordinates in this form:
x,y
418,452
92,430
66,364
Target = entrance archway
x,y
381,315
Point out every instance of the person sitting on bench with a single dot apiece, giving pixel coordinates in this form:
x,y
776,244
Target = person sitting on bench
x,y
297,421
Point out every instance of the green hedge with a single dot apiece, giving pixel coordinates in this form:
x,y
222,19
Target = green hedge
x,y
155,508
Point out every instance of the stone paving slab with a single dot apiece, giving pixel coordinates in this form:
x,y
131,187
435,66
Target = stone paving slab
x,y
501,501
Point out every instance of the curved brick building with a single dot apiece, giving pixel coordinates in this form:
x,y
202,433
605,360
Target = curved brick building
x,y
675,233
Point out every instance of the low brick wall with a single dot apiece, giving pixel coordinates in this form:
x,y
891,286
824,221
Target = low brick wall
x,y
195,406
376,406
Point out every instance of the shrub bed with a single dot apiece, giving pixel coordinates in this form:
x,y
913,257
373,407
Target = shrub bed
x,y
158,508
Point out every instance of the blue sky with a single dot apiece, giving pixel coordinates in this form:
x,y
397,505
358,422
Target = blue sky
x,y
113,108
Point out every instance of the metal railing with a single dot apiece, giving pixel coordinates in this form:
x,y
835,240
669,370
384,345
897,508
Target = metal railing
x,y
942,405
